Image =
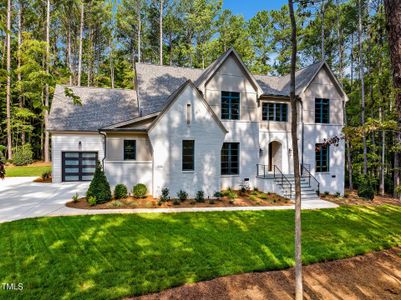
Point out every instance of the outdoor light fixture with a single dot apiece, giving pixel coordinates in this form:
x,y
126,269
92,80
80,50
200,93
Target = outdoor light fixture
x,y
79,145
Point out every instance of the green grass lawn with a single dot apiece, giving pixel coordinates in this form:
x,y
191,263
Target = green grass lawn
x,y
111,256
19,171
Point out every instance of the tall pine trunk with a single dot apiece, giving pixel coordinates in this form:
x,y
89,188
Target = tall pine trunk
x,y
20,100
81,33
46,112
161,34
69,56
8,87
297,175
139,7
362,75
322,12
393,22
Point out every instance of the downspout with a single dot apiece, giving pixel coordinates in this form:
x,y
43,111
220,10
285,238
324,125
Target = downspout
x,y
104,147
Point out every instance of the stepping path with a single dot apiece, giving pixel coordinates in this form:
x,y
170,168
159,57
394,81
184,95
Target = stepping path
x,y
21,198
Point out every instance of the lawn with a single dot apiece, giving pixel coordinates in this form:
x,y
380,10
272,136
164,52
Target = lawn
x,y
20,171
111,256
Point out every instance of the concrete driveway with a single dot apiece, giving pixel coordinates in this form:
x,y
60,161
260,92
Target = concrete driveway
x,y
21,198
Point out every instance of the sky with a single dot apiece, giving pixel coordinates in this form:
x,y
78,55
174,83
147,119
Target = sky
x,y
249,8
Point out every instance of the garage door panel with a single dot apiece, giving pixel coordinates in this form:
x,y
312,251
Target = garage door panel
x,y
78,166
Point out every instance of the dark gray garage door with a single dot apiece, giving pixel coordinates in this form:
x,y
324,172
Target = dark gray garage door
x,y
78,166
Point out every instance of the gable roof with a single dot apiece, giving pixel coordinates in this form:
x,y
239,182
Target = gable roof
x,y
100,107
174,96
214,67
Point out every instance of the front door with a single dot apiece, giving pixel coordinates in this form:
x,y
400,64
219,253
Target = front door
x,y
78,166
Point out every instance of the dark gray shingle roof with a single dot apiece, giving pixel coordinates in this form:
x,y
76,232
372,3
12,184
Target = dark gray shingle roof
x,y
280,86
100,107
156,83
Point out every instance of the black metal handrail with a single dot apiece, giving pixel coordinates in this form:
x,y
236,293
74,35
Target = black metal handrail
x,y
283,178
259,168
309,176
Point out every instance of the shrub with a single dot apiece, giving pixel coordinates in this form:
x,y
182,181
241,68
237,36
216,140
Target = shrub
x,y
263,196
211,201
366,188
140,190
182,195
326,193
120,191
92,200
253,198
164,197
99,186
23,155
217,195
338,194
200,196
231,201
117,203
232,195
176,201
47,174
75,198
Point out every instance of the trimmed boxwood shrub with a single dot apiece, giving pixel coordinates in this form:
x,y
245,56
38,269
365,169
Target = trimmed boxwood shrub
x,y
140,190
23,155
99,186
182,195
200,196
120,191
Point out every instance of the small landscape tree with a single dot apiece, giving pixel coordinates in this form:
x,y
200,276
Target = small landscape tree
x,y
99,187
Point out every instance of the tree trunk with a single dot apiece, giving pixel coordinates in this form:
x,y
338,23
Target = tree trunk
x,y
161,34
393,16
297,175
361,72
322,11
139,29
20,100
111,64
8,88
81,33
383,157
69,52
46,113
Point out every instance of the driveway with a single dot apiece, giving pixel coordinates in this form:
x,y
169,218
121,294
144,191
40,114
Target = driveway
x,y
21,198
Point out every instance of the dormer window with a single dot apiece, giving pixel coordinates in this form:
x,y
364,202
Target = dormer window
x,y
275,112
230,105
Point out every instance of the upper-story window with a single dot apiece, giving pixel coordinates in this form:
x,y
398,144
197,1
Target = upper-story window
x,y
275,112
129,150
322,110
230,102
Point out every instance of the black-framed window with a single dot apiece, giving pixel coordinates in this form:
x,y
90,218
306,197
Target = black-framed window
x,y
188,155
322,158
275,112
230,105
230,159
322,110
129,149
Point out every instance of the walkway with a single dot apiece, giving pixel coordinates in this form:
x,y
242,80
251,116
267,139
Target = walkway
x,y
20,198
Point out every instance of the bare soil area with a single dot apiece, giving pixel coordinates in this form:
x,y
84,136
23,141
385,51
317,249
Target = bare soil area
x,y
375,275
351,198
242,199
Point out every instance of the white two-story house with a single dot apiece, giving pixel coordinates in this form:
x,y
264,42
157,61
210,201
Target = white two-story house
x,y
194,129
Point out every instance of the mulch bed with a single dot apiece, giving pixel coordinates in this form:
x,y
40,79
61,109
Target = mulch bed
x,y
375,275
150,202
352,198
41,180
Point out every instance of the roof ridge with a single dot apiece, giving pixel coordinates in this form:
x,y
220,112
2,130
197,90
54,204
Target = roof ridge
x,y
95,87
169,66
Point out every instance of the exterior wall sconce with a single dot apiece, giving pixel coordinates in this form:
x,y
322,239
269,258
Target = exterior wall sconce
x,y
80,145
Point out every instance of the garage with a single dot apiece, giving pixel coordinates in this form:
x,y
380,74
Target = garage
x,y
78,166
